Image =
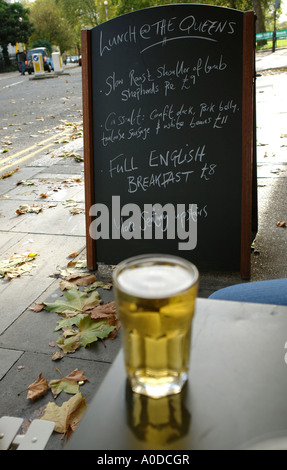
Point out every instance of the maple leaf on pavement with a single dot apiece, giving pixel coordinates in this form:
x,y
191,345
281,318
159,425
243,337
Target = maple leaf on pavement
x,y
77,302
89,332
67,416
68,384
69,322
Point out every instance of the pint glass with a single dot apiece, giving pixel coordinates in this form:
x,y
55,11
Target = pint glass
x,y
155,296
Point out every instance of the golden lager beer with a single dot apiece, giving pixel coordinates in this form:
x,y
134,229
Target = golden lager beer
x,y
155,297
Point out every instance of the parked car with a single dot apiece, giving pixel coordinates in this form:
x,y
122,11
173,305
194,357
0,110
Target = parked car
x,y
74,59
47,59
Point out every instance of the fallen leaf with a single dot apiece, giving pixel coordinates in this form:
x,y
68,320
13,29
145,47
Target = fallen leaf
x,y
78,265
77,210
77,280
89,332
77,302
67,332
8,174
106,309
69,322
37,388
77,156
68,384
70,203
57,356
281,223
37,308
26,183
103,285
17,265
108,313
26,209
67,416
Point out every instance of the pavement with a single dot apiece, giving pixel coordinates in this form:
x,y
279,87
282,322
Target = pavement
x,y
55,183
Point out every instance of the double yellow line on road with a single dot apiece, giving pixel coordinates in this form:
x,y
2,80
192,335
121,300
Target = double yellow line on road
x,y
32,152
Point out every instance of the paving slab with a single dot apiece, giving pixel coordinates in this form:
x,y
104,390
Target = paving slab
x,y
8,184
8,358
18,294
55,189
8,240
56,220
38,330
271,241
52,158
14,386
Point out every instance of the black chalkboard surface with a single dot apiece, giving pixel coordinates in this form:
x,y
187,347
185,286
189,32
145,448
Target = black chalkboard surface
x,y
167,134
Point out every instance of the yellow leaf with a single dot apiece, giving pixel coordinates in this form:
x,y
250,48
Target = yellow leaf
x,y
67,416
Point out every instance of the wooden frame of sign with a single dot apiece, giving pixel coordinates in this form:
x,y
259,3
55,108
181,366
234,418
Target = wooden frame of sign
x,y
216,131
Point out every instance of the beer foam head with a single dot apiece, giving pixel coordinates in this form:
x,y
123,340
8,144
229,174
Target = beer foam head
x,y
155,281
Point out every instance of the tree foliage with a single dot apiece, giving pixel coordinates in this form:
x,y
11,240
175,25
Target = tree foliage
x,y
42,43
126,6
15,25
83,13
50,24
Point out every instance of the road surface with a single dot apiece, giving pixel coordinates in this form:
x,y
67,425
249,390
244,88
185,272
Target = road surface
x,y
36,115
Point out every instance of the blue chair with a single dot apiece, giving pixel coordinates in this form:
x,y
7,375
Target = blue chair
x,y
264,292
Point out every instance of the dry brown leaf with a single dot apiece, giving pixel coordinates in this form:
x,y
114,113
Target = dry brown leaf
x,y
57,356
102,311
281,223
37,388
77,280
107,312
37,308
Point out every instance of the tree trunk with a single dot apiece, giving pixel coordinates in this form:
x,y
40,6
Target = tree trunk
x,y
260,23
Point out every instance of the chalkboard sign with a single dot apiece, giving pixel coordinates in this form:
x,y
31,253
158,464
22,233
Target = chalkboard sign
x,y
168,130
